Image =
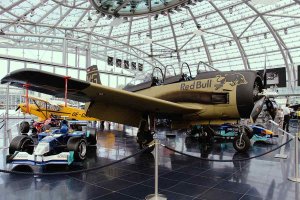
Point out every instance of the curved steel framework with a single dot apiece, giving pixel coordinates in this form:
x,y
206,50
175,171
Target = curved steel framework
x,y
231,34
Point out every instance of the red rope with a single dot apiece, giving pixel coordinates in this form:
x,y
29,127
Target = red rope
x,y
26,86
66,89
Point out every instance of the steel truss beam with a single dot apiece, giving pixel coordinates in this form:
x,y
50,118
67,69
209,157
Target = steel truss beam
x,y
235,38
280,44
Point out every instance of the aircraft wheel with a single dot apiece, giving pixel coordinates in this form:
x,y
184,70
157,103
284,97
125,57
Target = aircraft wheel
x,y
241,145
24,127
21,143
144,139
248,131
79,146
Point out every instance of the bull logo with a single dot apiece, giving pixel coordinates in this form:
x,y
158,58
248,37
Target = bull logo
x,y
231,79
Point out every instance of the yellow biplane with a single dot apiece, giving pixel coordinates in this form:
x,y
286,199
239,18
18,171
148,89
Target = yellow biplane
x,y
45,109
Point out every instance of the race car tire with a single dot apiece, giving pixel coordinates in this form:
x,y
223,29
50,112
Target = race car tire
x,y
92,139
21,143
79,146
243,145
249,131
24,127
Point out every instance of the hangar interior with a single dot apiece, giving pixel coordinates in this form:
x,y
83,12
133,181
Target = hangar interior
x,y
127,40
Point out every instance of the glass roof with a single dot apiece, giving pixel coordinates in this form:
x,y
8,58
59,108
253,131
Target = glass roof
x,y
229,35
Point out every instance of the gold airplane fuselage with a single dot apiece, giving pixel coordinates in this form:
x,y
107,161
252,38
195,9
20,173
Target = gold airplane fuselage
x,y
215,97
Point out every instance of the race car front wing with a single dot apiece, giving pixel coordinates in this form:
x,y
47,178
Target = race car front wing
x,y
26,158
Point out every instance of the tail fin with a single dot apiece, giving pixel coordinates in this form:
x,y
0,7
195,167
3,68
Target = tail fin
x,y
92,74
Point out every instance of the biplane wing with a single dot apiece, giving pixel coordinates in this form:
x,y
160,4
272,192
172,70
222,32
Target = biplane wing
x,y
104,102
36,98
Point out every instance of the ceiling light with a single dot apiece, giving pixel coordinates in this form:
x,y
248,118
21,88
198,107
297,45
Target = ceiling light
x,y
230,10
198,31
148,39
90,23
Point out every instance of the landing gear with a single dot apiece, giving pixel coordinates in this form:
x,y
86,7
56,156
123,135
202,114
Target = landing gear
x,y
241,143
145,136
205,133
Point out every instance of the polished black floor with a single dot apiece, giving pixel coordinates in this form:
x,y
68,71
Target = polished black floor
x,y
180,177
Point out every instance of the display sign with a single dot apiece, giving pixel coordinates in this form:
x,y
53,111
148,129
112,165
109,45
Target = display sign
x,y
140,66
298,75
272,78
275,76
133,65
126,64
118,62
110,61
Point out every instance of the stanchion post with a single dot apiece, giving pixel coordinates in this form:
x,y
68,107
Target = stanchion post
x,y
282,149
156,196
296,178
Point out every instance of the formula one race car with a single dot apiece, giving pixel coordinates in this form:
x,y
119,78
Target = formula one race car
x,y
57,146
262,134
256,132
241,142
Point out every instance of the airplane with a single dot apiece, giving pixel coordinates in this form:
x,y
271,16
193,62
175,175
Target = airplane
x,y
45,109
209,98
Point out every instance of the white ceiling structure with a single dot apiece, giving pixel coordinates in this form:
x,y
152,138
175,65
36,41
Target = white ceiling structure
x,y
227,34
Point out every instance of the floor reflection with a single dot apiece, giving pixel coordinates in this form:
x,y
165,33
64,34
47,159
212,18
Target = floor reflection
x,y
180,177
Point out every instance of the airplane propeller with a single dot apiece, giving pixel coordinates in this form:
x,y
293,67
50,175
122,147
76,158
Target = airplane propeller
x,y
258,106
18,108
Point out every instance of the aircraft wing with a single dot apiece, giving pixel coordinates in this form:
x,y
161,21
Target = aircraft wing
x,y
104,102
36,98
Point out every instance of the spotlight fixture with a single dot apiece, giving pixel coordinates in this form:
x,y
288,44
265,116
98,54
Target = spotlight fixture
x,y
127,8
182,25
148,39
230,10
198,31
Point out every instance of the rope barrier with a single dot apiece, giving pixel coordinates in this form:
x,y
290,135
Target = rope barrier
x,y
231,160
74,172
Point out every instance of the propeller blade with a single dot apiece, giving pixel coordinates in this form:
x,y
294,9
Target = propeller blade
x,y
18,108
258,106
271,108
265,80
265,73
